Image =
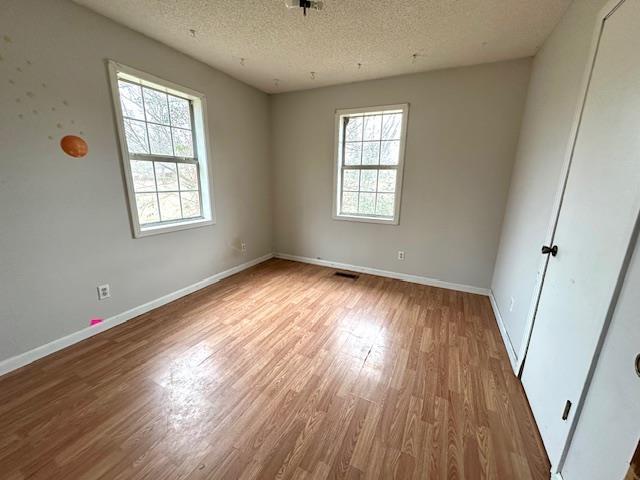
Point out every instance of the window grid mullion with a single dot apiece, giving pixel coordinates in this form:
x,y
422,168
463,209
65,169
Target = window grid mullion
x,y
370,167
142,85
155,179
345,122
146,127
170,191
192,118
147,122
375,204
199,188
156,123
179,190
361,153
173,147
144,157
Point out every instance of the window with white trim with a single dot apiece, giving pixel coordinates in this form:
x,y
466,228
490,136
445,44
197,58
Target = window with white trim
x,y
163,140
369,161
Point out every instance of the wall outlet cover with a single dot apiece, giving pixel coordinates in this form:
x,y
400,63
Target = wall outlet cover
x,y
104,291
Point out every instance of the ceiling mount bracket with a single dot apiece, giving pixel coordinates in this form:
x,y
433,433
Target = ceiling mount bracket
x,y
305,4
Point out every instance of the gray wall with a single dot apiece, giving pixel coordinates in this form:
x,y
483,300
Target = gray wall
x,y
461,140
64,225
552,101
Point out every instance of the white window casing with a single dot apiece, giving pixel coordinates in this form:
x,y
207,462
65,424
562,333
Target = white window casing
x,y
368,164
163,136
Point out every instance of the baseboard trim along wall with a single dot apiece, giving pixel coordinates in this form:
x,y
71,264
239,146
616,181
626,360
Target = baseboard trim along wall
x,y
432,282
513,358
37,353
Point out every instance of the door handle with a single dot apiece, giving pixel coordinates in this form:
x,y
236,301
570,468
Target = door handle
x,y
552,250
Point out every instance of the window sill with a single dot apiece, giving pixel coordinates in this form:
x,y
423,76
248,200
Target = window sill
x,y
357,218
172,227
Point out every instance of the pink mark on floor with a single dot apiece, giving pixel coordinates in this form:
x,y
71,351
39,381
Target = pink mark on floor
x,y
95,321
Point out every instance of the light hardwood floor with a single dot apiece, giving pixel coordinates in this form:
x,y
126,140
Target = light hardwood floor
x,y
281,371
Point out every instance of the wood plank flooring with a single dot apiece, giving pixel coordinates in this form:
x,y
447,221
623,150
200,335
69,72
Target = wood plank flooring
x,y
282,371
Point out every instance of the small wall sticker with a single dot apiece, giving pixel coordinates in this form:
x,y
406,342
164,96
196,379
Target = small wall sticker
x,y
22,76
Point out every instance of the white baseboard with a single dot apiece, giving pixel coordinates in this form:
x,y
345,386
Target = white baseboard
x,y
37,353
385,273
556,476
505,337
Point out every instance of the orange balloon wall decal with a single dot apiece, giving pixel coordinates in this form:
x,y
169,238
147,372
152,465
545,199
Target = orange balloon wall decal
x,y
74,146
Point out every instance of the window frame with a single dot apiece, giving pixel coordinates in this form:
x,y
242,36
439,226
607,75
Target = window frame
x,y
200,130
339,167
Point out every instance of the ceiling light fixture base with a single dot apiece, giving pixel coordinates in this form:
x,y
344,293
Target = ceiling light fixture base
x,y
305,4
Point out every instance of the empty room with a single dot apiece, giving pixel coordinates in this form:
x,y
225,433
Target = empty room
x,y
320,239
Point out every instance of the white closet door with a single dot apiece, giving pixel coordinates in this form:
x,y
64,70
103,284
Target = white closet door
x,y
597,217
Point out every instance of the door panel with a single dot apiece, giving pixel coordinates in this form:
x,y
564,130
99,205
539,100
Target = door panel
x,y
609,424
596,220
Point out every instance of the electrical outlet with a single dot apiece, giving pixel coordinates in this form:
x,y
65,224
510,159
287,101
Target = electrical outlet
x,y
512,304
400,255
243,246
104,291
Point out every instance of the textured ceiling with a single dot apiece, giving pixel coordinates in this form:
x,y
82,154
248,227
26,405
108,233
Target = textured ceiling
x,y
381,35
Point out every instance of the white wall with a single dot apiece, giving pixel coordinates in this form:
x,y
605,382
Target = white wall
x,y
64,225
552,101
462,133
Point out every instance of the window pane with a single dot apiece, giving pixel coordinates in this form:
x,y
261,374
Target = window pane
x,y
354,129
160,139
349,202
352,153
180,112
390,152
370,153
387,181
169,206
136,134
147,204
368,180
367,203
188,176
391,126
384,205
143,179
131,100
156,106
166,177
351,180
182,142
372,126
190,204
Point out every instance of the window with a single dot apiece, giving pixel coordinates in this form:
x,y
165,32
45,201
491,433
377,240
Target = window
x,y
164,149
369,159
